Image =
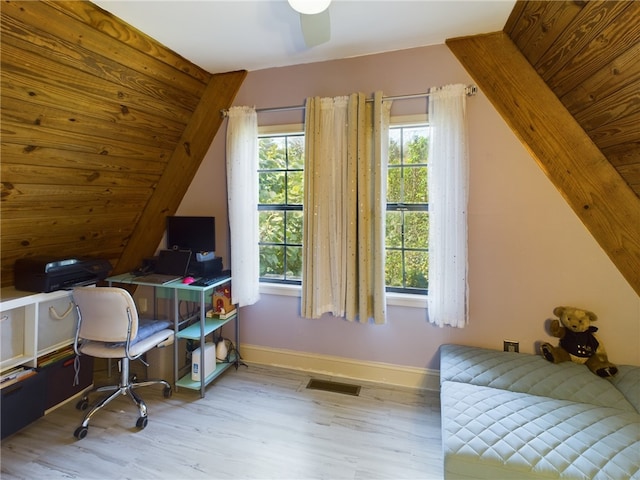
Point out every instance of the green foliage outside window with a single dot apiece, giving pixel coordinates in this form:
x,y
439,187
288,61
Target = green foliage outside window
x,y
407,231
281,159
281,196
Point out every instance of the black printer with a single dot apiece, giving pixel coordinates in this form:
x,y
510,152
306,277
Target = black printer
x,y
46,274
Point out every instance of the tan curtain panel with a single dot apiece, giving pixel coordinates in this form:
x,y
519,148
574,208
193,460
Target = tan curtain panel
x,y
345,203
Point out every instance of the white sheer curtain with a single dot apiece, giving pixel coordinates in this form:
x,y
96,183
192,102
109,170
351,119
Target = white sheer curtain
x,y
448,185
242,191
344,207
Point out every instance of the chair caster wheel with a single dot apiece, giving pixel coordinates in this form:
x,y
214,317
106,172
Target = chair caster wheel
x,y
81,432
142,422
166,392
82,404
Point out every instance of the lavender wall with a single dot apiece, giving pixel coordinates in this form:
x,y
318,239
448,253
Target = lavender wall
x,y
528,252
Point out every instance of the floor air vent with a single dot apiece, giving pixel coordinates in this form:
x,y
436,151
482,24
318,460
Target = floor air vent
x,y
335,387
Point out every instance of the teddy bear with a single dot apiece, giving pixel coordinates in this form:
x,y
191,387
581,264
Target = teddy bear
x,y
577,341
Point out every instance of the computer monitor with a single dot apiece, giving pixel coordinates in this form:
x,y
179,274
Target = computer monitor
x,y
197,234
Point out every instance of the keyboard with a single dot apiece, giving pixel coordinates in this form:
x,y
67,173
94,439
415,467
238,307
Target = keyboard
x,y
207,281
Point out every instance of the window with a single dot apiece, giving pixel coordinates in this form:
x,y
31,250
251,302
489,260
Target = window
x,y
407,234
281,174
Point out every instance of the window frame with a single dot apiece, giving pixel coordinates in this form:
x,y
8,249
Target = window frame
x,y
410,300
407,121
281,130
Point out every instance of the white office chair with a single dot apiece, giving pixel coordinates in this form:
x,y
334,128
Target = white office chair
x,y
108,327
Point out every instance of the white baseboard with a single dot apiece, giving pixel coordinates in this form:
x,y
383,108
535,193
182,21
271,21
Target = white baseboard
x,y
377,372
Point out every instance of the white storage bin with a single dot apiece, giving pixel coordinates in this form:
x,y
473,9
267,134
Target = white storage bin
x,y
12,335
57,321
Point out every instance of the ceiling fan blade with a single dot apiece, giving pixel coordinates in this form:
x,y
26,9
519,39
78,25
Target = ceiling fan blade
x,y
316,28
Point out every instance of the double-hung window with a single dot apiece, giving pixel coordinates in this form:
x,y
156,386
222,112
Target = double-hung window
x,y
407,232
281,193
281,167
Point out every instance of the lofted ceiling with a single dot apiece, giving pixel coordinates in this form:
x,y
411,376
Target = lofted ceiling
x,y
104,122
565,76
586,51
225,35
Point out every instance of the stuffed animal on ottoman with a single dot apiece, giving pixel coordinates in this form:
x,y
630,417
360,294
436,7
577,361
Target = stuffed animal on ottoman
x,y
577,341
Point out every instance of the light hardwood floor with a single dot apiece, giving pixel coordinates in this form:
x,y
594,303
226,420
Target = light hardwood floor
x,y
254,423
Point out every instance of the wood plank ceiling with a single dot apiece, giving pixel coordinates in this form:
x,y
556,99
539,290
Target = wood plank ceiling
x,y
103,129
588,53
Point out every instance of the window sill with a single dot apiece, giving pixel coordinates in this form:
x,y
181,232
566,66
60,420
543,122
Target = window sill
x,y
280,289
406,300
395,299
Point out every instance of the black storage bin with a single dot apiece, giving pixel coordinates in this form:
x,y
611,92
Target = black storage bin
x,y
22,403
59,379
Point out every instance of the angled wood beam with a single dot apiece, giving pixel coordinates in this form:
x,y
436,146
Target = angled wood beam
x,y
182,167
596,192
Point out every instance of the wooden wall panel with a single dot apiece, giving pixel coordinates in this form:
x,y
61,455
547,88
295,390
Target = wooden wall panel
x,y
580,34
182,166
112,27
607,42
97,119
620,72
42,200
588,53
617,107
73,41
535,26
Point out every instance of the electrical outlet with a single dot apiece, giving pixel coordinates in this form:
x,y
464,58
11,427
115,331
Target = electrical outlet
x,y
510,346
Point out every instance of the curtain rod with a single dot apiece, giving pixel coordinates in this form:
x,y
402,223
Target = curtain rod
x,y
470,91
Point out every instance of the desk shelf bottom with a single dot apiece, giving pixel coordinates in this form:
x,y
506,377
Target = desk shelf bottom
x,y
187,382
